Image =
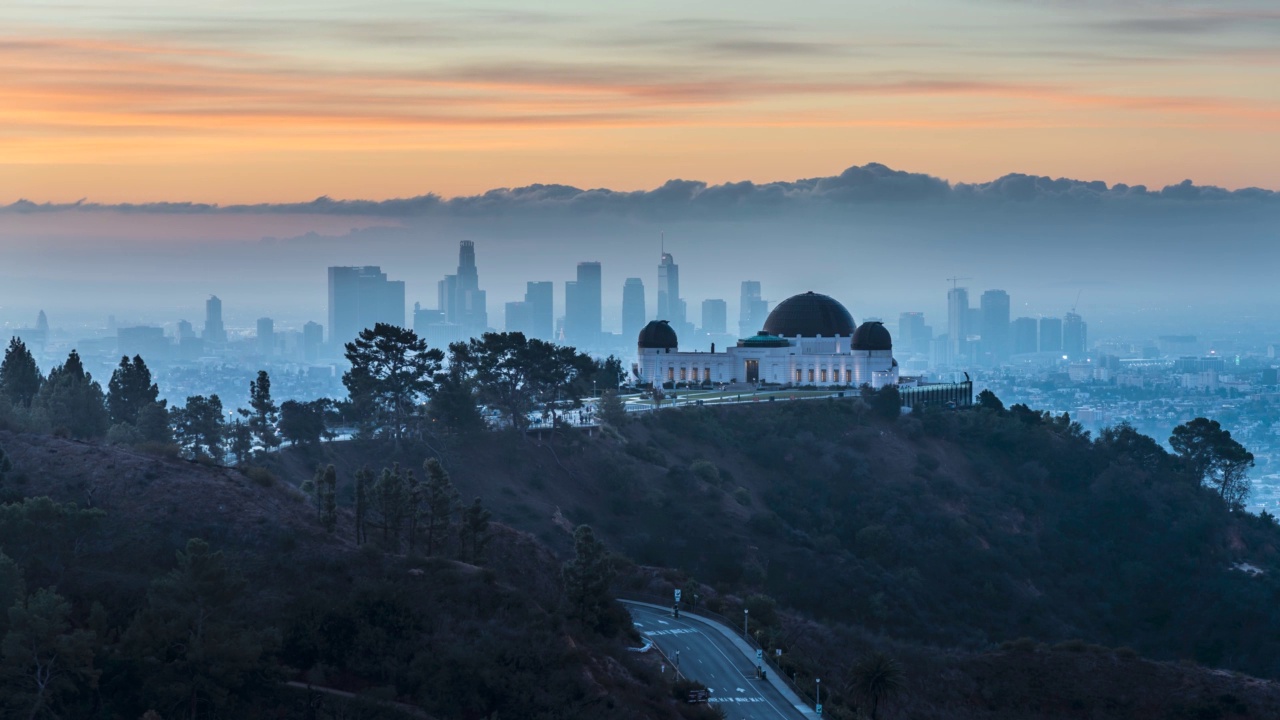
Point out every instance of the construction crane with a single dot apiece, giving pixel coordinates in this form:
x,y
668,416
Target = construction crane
x,y
1077,302
955,280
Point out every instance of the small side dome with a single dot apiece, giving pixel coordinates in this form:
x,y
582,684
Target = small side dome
x,y
872,335
657,335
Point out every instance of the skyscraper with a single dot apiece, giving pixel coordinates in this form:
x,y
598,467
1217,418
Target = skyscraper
x,y
266,336
911,333
715,317
957,323
1050,335
752,309
1025,336
582,300
633,309
1074,336
214,333
995,324
359,298
670,306
532,316
312,339
460,298
539,296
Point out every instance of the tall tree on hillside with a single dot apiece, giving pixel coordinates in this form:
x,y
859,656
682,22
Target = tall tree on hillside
x,y
262,413
613,412
130,390
1215,457
199,426
587,578
441,501
392,369
153,423
20,378
43,659
475,530
364,482
390,506
239,440
327,492
73,400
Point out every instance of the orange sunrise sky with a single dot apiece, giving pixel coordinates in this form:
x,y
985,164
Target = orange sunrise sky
x,y
246,102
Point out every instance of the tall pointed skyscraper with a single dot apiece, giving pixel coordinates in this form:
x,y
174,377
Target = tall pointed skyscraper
x,y
752,309
461,300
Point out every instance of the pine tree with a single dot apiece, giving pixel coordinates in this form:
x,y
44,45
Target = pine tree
x,y
475,529
263,413
612,410
391,505
199,426
20,378
328,489
364,477
587,578
239,442
130,390
441,499
73,400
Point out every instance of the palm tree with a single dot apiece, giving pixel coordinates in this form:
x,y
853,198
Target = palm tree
x,y
875,679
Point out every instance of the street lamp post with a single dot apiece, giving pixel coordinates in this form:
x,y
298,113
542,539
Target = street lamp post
x,y
745,611
818,685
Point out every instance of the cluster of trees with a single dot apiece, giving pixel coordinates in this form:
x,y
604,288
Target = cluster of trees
x,y
404,513
393,373
398,388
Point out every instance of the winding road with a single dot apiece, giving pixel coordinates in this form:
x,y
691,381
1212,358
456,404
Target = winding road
x,y
714,656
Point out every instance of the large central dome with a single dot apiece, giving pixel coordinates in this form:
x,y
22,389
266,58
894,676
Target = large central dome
x,y
809,315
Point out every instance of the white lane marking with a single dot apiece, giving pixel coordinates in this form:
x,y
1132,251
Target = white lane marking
x,y
663,622
633,622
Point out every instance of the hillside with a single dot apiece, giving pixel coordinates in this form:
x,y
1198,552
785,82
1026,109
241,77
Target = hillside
x,y
456,639
938,537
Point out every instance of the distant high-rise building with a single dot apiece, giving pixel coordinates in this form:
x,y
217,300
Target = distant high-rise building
x,y
1025,336
460,298
359,298
515,317
214,332
1050,335
911,334
752,309
670,306
957,322
633,309
186,330
995,324
715,317
540,296
582,306
148,342
1074,336
42,325
266,336
532,316
312,339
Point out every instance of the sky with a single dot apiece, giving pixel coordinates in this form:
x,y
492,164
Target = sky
x,y
256,102
1124,153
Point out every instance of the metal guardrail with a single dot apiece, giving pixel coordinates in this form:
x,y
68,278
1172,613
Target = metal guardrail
x,y
731,625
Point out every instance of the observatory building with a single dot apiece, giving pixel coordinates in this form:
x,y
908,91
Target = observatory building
x,y
808,339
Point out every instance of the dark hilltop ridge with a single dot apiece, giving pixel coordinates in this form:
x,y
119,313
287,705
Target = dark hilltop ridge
x,y
996,563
